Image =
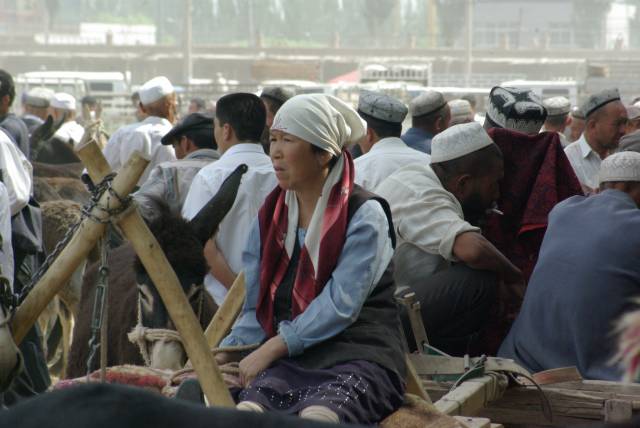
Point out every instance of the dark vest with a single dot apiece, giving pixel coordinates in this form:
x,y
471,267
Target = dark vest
x,y
376,335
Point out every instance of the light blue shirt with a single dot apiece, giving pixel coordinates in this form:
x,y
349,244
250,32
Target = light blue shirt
x,y
366,253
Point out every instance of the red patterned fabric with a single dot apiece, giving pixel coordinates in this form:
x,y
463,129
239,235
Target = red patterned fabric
x,y
273,219
537,175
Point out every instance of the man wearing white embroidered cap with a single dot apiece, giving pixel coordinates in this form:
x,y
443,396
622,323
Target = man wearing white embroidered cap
x,y
384,151
585,279
441,254
63,107
606,120
158,101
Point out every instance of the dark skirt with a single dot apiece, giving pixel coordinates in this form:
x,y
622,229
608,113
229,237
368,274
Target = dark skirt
x,y
357,391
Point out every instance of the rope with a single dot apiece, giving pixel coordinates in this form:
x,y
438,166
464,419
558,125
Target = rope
x,y
140,335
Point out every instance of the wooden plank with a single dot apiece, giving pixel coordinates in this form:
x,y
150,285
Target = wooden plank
x,y
470,422
617,411
522,405
227,313
472,395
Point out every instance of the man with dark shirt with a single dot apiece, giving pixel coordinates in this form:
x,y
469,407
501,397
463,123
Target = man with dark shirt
x,y
15,127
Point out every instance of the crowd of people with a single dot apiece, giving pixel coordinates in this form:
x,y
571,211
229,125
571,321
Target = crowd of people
x,y
515,233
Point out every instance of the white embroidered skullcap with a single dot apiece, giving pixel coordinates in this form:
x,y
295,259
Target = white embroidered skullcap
x,y
621,166
39,97
601,99
557,106
155,89
461,112
63,101
321,120
382,106
458,141
426,103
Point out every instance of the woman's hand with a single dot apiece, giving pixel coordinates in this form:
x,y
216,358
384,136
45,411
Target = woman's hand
x,y
260,359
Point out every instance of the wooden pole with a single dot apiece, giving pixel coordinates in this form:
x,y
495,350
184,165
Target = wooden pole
x,y
168,286
227,313
82,242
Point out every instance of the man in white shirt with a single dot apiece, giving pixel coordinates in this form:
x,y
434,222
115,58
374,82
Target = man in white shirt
x,y
441,255
64,106
158,101
384,151
238,123
606,120
17,174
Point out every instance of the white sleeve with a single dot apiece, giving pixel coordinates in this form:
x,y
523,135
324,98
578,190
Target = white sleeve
x,y
6,251
200,192
17,174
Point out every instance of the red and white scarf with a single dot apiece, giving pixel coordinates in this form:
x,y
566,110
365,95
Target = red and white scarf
x,y
323,242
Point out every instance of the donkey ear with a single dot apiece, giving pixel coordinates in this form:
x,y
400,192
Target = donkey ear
x,y
206,222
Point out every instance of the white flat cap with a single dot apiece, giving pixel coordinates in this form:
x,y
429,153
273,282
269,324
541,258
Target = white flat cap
x,y
461,112
155,89
621,166
63,101
557,106
39,97
633,112
458,141
426,103
382,107
602,98
630,142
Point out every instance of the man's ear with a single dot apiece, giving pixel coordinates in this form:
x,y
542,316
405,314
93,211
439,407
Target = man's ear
x,y
227,132
568,121
461,185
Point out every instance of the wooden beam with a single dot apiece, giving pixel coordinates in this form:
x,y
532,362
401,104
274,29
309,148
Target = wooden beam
x,y
168,286
82,242
472,395
227,313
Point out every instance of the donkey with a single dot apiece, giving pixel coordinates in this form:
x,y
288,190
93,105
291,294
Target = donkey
x,y
133,298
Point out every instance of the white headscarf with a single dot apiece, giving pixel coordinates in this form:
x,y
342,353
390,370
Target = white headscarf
x,y
322,120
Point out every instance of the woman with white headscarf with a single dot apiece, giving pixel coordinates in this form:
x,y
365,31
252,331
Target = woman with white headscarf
x,y
318,279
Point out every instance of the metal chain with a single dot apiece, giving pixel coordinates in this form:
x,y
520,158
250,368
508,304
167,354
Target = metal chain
x,y
99,303
96,193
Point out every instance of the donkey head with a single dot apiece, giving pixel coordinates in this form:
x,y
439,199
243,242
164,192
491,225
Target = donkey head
x,y
183,244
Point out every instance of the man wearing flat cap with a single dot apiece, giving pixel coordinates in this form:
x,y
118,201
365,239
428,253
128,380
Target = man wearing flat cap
x,y
586,278
63,107
577,124
384,151
633,114
430,115
194,144
441,254
558,119
606,120
515,108
158,102
35,106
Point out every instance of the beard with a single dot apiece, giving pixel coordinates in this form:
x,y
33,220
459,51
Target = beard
x,y
474,209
